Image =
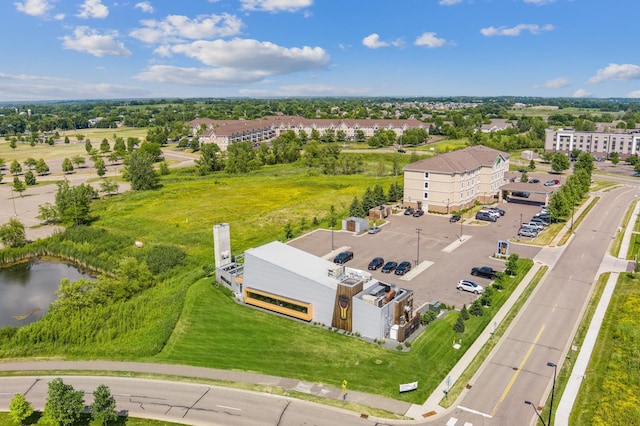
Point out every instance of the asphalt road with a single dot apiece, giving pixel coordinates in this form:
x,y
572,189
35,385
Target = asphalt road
x,y
187,403
517,370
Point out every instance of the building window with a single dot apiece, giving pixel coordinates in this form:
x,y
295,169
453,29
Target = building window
x,y
426,175
426,195
426,185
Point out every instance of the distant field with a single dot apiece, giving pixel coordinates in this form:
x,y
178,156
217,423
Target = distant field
x,y
62,150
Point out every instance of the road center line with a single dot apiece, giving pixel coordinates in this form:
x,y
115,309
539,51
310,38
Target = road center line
x,y
515,375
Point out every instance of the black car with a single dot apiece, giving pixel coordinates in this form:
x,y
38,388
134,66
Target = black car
x,y
375,263
388,267
403,268
534,181
418,213
343,257
484,271
523,170
522,194
454,218
409,211
401,151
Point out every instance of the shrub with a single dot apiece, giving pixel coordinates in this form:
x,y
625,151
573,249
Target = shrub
x,y
162,258
476,308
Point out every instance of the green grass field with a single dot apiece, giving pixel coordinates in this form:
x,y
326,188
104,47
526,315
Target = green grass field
x,y
609,394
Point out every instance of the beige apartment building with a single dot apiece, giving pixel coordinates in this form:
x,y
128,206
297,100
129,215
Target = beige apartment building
x,y
455,180
599,144
225,132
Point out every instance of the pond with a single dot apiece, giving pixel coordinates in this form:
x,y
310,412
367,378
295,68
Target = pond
x,y
27,290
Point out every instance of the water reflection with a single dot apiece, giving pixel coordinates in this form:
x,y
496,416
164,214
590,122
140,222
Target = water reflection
x,y
27,290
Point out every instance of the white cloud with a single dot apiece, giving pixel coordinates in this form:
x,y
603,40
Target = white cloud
x,y
616,72
90,41
34,7
274,6
28,87
200,76
539,2
372,41
234,62
248,54
430,40
449,2
144,6
634,94
556,83
59,16
581,93
93,9
515,31
177,27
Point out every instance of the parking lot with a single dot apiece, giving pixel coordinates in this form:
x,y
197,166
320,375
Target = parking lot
x,y
440,259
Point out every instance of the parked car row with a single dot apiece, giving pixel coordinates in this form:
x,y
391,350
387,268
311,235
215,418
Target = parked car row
x,y
536,225
390,266
410,211
490,214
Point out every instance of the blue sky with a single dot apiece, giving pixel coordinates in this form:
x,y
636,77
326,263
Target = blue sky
x,y
103,49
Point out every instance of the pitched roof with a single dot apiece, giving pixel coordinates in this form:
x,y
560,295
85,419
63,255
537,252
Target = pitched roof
x,y
462,160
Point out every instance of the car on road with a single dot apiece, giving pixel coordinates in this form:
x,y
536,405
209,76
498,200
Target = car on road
x,y
534,181
528,232
552,182
523,170
469,286
455,218
409,211
403,268
636,175
484,271
374,230
389,267
375,263
343,257
402,151
485,216
418,213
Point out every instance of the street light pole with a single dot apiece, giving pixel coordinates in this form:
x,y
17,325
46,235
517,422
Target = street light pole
x,y
418,230
14,203
553,388
536,411
573,207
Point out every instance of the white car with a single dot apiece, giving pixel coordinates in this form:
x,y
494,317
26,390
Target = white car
x,y
469,286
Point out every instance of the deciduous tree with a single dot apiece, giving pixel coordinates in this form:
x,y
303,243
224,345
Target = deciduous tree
x,y
41,167
138,169
20,409
15,168
103,408
67,165
12,233
64,404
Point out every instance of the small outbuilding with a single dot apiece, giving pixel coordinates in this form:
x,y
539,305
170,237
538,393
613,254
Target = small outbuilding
x,y
355,224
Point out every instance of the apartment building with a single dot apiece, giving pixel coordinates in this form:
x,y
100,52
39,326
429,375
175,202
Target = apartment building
x,y
455,180
225,132
600,144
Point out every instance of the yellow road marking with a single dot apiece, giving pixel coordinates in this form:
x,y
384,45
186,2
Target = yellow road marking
x,y
515,376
